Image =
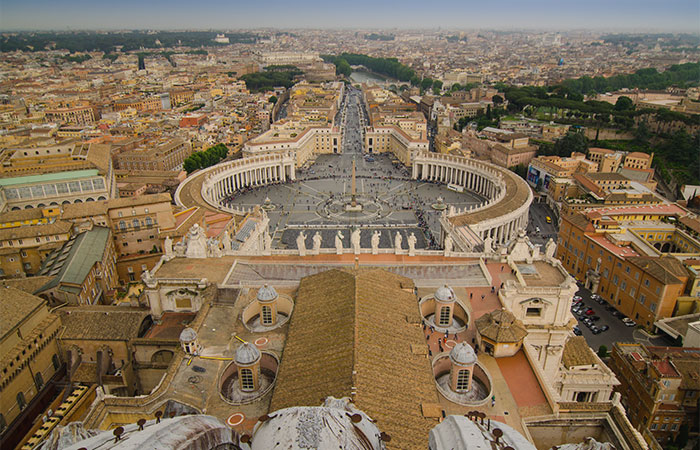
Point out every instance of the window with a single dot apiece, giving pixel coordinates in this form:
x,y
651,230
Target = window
x,y
646,282
652,306
135,223
463,380
642,298
605,273
247,380
39,380
445,315
664,426
122,224
674,427
266,315
21,402
636,275
149,221
623,285
533,312
120,214
632,292
654,426
615,279
627,269
56,362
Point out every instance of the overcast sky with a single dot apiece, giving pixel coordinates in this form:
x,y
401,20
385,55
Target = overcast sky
x,y
622,15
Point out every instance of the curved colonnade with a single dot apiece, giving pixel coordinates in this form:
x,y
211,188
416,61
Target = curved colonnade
x,y
224,179
499,218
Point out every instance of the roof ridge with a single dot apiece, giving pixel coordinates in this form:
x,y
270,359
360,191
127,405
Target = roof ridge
x,y
356,334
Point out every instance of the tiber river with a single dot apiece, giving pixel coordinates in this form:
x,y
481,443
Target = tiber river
x,y
363,76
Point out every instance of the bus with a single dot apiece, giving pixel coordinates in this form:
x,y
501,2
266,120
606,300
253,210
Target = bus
x,y
455,187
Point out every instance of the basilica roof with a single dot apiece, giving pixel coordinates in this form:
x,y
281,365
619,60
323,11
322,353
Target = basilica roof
x,y
350,336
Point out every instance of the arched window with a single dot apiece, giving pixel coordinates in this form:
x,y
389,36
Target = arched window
x,y
463,380
445,315
122,225
247,380
266,315
136,223
149,221
56,362
39,381
21,402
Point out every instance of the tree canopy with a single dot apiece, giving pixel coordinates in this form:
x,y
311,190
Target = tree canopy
x,y
209,157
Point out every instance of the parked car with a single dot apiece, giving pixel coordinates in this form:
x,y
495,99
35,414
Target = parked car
x,y
577,331
595,330
590,312
617,314
577,297
604,328
610,308
595,318
629,322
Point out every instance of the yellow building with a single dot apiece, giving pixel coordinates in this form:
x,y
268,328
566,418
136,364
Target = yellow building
x,y
29,357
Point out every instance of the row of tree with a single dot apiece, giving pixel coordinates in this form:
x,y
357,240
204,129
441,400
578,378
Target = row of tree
x,y
85,41
390,67
207,158
265,81
680,75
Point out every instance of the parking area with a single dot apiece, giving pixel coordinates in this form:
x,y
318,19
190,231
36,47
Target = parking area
x,y
617,332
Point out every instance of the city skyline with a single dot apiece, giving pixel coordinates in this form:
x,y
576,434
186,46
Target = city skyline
x,y
672,16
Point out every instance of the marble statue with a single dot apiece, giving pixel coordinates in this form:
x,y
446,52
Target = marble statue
x,y
267,241
550,248
301,243
196,242
180,248
317,242
397,242
488,245
448,245
339,242
213,248
412,244
168,247
227,241
376,236
355,241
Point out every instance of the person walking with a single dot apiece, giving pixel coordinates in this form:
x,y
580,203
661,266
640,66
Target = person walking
x,y
493,401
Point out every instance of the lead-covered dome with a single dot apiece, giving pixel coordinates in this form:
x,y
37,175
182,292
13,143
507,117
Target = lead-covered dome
x,y
188,335
247,354
445,294
463,354
266,293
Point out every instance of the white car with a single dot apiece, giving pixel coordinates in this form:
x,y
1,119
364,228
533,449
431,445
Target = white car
x,y
629,322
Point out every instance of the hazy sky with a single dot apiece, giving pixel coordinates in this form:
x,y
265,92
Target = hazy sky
x,y
638,15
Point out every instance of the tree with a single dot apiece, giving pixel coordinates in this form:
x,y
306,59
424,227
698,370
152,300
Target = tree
x,y
272,99
624,103
426,83
437,84
573,141
497,100
602,351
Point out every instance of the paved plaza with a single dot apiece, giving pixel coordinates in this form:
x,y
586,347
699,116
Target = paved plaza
x,y
316,201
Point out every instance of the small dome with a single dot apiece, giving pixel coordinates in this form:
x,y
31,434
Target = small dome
x,y
267,293
247,354
463,354
445,294
188,335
